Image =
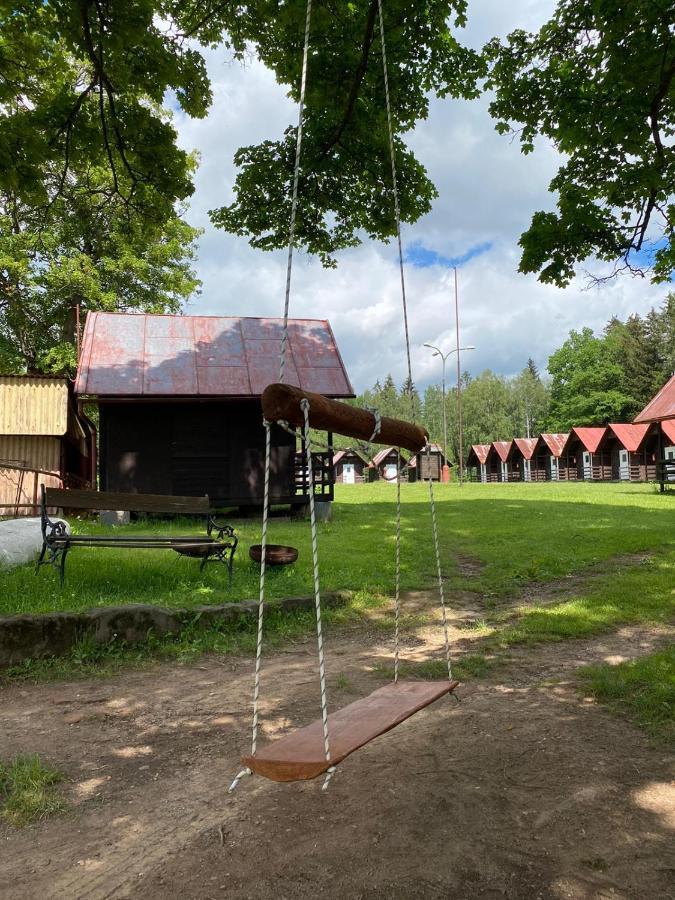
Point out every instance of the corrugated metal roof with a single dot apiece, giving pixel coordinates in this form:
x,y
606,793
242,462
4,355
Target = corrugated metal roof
x,y
662,406
33,405
590,437
630,436
134,355
481,451
555,441
502,448
527,446
384,452
350,452
668,427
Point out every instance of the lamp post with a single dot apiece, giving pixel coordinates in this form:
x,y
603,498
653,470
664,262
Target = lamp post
x,y
444,357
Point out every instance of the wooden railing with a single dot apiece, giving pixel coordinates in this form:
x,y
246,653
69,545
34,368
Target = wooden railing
x,y
322,477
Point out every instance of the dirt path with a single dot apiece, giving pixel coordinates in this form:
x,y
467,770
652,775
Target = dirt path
x,y
523,790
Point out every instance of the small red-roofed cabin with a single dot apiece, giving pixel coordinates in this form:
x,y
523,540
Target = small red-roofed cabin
x,y
661,407
633,451
180,408
584,453
500,462
549,456
349,466
385,463
524,460
427,465
476,462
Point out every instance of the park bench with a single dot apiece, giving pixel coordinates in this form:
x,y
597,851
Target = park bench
x,y
57,543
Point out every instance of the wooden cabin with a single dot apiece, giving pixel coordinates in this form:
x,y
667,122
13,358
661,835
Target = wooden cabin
x,y
350,466
634,451
476,462
585,454
180,410
427,465
385,463
524,459
549,456
667,451
661,410
44,439
500,462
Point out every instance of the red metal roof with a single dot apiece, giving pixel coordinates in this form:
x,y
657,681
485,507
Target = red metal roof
x,y
350,452
134,355
526,446
630,436
556,442
502,448
662,406
668,427
382,454
590,437
481,451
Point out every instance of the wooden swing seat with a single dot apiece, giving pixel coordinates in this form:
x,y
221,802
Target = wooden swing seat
x,y
300,756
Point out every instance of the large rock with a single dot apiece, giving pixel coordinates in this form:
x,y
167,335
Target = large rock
x,y
37,637
21,540
133,623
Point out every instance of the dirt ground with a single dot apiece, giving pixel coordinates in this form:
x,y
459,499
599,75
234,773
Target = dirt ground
x,y
524,789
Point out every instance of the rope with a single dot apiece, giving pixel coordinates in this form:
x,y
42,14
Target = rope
x,y
294,200
397,209
261,603
304,403
438,568
398,565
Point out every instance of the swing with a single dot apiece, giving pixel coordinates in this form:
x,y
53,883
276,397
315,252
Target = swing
x,y
318,748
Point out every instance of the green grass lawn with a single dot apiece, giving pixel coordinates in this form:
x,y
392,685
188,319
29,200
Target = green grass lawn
x,y
520,533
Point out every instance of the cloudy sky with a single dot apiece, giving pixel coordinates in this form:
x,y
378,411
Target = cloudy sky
x,y
488,192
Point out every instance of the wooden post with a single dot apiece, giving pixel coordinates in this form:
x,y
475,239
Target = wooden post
x,y
282,402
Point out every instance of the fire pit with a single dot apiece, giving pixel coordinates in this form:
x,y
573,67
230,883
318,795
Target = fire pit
x,y
275,555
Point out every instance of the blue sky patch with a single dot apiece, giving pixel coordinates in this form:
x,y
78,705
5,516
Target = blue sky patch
x,y
421,257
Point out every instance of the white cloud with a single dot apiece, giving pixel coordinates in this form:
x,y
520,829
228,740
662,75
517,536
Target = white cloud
x,y
488,191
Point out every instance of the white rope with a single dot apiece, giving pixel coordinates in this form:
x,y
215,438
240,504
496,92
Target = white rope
x,y
398,566
294,200
261,603
304,403
397,209
438,568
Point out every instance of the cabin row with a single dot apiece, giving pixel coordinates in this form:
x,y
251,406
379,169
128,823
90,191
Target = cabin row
x,y
355,467
617,452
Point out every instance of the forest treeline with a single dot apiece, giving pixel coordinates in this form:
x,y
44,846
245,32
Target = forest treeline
x,y
590,380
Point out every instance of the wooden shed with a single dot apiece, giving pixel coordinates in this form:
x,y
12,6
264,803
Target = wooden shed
x,y
633,451
179,403
550,458
585,454
43,440
386,463
476,462
661,410
667,449
524,460
428,465
350,466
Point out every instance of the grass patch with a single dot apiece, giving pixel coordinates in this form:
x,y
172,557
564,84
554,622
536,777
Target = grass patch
x,y
28,790
520,533
642,689
471,665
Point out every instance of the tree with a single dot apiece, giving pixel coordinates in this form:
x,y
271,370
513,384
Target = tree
x,y
530,397
597,80
587,383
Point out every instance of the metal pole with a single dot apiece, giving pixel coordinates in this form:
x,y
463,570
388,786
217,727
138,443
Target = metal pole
x,y
445,418
459,388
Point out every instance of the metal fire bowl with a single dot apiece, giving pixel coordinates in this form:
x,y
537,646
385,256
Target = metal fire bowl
x,y
276,554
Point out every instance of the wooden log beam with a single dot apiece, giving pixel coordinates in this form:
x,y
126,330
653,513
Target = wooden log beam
x,y
282,401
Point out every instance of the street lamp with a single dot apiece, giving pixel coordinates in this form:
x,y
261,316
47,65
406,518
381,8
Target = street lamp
x,y
444,357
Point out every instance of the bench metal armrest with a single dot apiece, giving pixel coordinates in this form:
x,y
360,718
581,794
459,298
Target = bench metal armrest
x,y
221,528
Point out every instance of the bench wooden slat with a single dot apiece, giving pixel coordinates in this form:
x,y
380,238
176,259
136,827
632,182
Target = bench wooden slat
x,y
127,502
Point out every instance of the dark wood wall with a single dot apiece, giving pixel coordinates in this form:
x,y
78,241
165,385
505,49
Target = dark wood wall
x,y
193,448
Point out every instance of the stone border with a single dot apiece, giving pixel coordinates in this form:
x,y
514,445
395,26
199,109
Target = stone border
x,y
26,637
